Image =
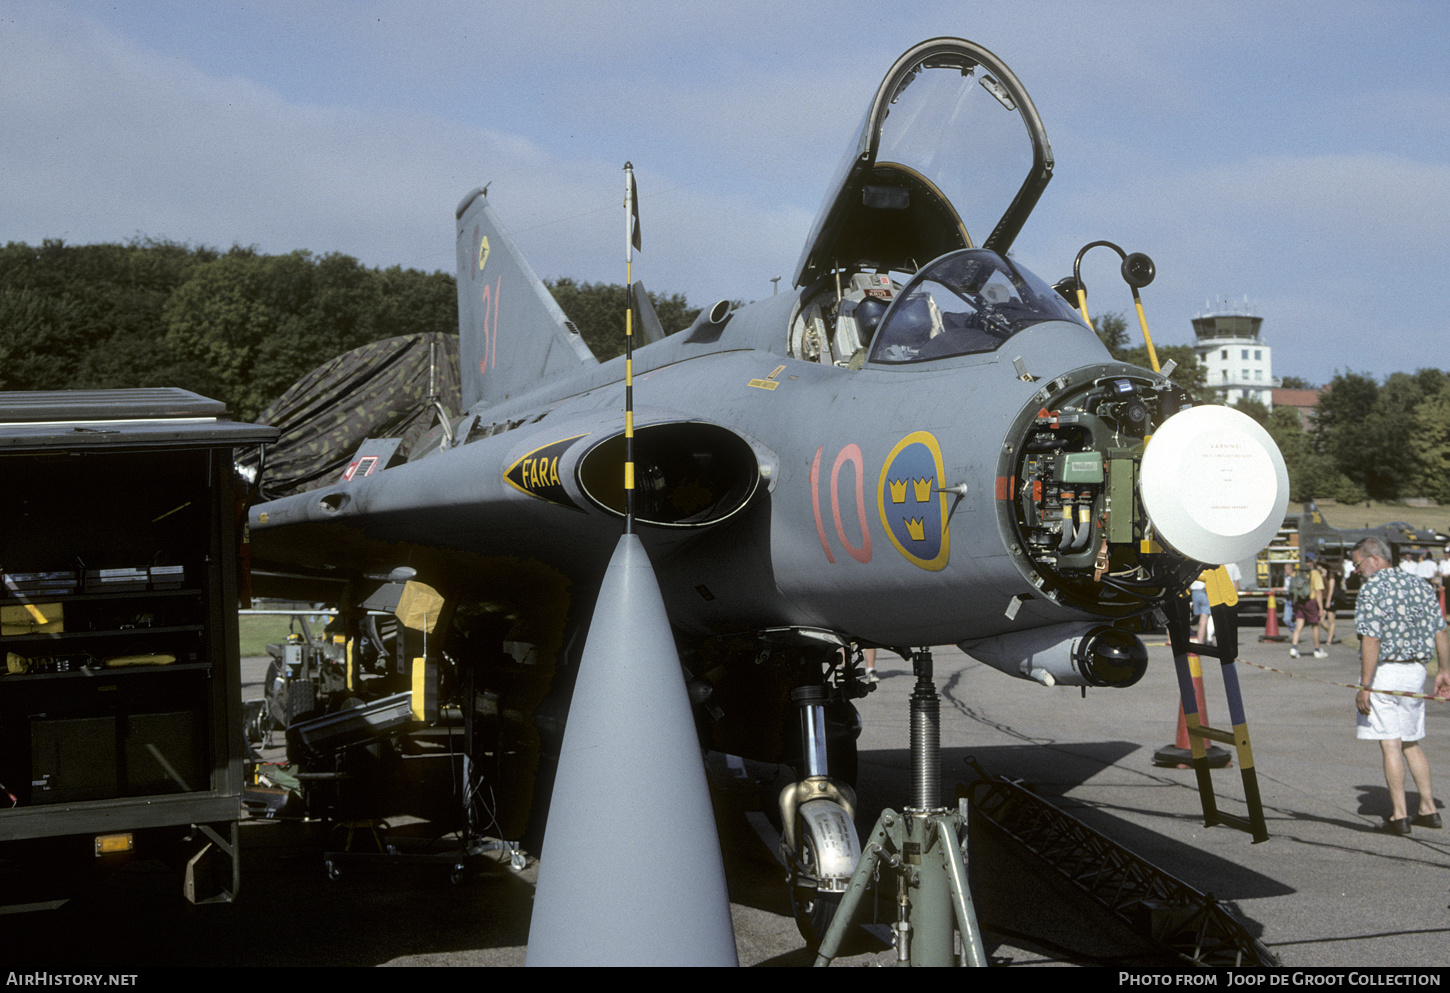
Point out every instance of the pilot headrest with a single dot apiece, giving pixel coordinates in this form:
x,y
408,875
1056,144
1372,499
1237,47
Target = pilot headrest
x,y
868,314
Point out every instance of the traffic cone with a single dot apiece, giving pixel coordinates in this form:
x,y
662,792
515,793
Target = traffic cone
x,y
1271,624
1179,755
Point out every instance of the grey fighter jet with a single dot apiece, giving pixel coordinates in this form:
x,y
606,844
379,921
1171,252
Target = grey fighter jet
x,y
922,443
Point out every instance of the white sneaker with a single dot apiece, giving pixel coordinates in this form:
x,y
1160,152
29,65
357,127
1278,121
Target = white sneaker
x,y
1320,653
1293,652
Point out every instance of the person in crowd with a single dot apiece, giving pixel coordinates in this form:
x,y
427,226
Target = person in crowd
x,y
1306,589
1399,625
1328,619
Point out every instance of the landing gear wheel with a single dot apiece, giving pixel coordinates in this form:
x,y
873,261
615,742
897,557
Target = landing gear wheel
x,y
813,909
257,721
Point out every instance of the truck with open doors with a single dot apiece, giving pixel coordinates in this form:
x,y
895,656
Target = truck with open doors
x,y
120,724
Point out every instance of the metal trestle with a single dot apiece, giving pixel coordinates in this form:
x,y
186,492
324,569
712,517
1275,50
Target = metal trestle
x,y
1222,599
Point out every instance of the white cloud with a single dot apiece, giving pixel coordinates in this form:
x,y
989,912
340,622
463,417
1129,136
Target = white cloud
x,y
189,156
1232,144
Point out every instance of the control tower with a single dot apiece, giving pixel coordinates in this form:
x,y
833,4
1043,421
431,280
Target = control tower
x,y
1235,357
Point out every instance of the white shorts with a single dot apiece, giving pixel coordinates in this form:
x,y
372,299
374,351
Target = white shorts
x,y
1394,716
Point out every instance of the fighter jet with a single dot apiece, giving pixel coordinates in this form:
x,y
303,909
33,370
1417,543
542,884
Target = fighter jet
x,y
922,443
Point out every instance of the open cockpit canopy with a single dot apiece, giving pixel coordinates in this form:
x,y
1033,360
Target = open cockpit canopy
x,y
951,155
963,303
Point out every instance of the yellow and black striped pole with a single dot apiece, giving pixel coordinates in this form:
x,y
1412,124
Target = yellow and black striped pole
x,y
631,242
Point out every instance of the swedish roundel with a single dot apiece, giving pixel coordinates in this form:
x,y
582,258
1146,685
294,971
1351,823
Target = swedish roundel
x,y
913,509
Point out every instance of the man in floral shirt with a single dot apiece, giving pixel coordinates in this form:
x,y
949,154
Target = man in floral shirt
x,y
1399,624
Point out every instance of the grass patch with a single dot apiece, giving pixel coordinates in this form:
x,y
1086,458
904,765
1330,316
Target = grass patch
x,y
1372,515
256,632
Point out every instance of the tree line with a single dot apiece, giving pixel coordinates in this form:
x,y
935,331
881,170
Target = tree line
x,y
1371,440
238,326
241,327
1368,440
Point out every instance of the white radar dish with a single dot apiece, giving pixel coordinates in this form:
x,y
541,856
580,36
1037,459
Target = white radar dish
x,y
1214,485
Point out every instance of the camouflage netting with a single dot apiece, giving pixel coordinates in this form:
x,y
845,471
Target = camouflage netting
x,y
376,391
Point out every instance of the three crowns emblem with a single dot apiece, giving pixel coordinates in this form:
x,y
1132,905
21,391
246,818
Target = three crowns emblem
x,y
920,490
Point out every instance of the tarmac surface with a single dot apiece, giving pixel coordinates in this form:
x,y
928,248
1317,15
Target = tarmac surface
x,y
1326,889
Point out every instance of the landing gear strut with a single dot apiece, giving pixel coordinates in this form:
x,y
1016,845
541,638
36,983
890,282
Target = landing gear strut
x,y
818,832
920,848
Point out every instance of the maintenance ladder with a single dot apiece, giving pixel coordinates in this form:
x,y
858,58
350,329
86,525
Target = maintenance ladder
x,y
1221,597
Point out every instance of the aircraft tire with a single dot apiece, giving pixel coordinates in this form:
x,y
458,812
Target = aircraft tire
x,y
813,909
257,721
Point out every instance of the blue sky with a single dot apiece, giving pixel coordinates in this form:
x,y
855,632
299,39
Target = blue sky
x,y
1294,154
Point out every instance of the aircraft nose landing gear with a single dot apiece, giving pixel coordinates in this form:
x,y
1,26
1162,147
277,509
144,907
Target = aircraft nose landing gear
x,y
818,832
920,847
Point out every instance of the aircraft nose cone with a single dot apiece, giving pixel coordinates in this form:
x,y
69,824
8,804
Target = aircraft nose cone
x,y
1214,484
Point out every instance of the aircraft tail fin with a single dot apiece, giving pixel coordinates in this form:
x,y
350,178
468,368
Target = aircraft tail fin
x,y
511,333
1311,519
1312,529
650,328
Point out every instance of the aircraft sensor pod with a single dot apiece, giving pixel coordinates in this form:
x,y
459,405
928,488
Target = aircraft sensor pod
x,y
1214,484
1070,654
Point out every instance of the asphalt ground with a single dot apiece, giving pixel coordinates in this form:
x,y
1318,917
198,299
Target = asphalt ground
x,y
1326,889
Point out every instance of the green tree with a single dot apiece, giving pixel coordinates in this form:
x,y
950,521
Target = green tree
x,y
246,326
1312,474
218,318
1368,429
36,332
1432,444
1253,408
1349,431
415,302
597,310
86,316
1295,383
1112,331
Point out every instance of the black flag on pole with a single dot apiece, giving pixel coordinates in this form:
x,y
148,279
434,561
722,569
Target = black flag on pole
x,y
633,197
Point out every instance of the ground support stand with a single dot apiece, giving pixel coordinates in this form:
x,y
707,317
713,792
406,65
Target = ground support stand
x,y
921,847
1226,651
1179,755
366,842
